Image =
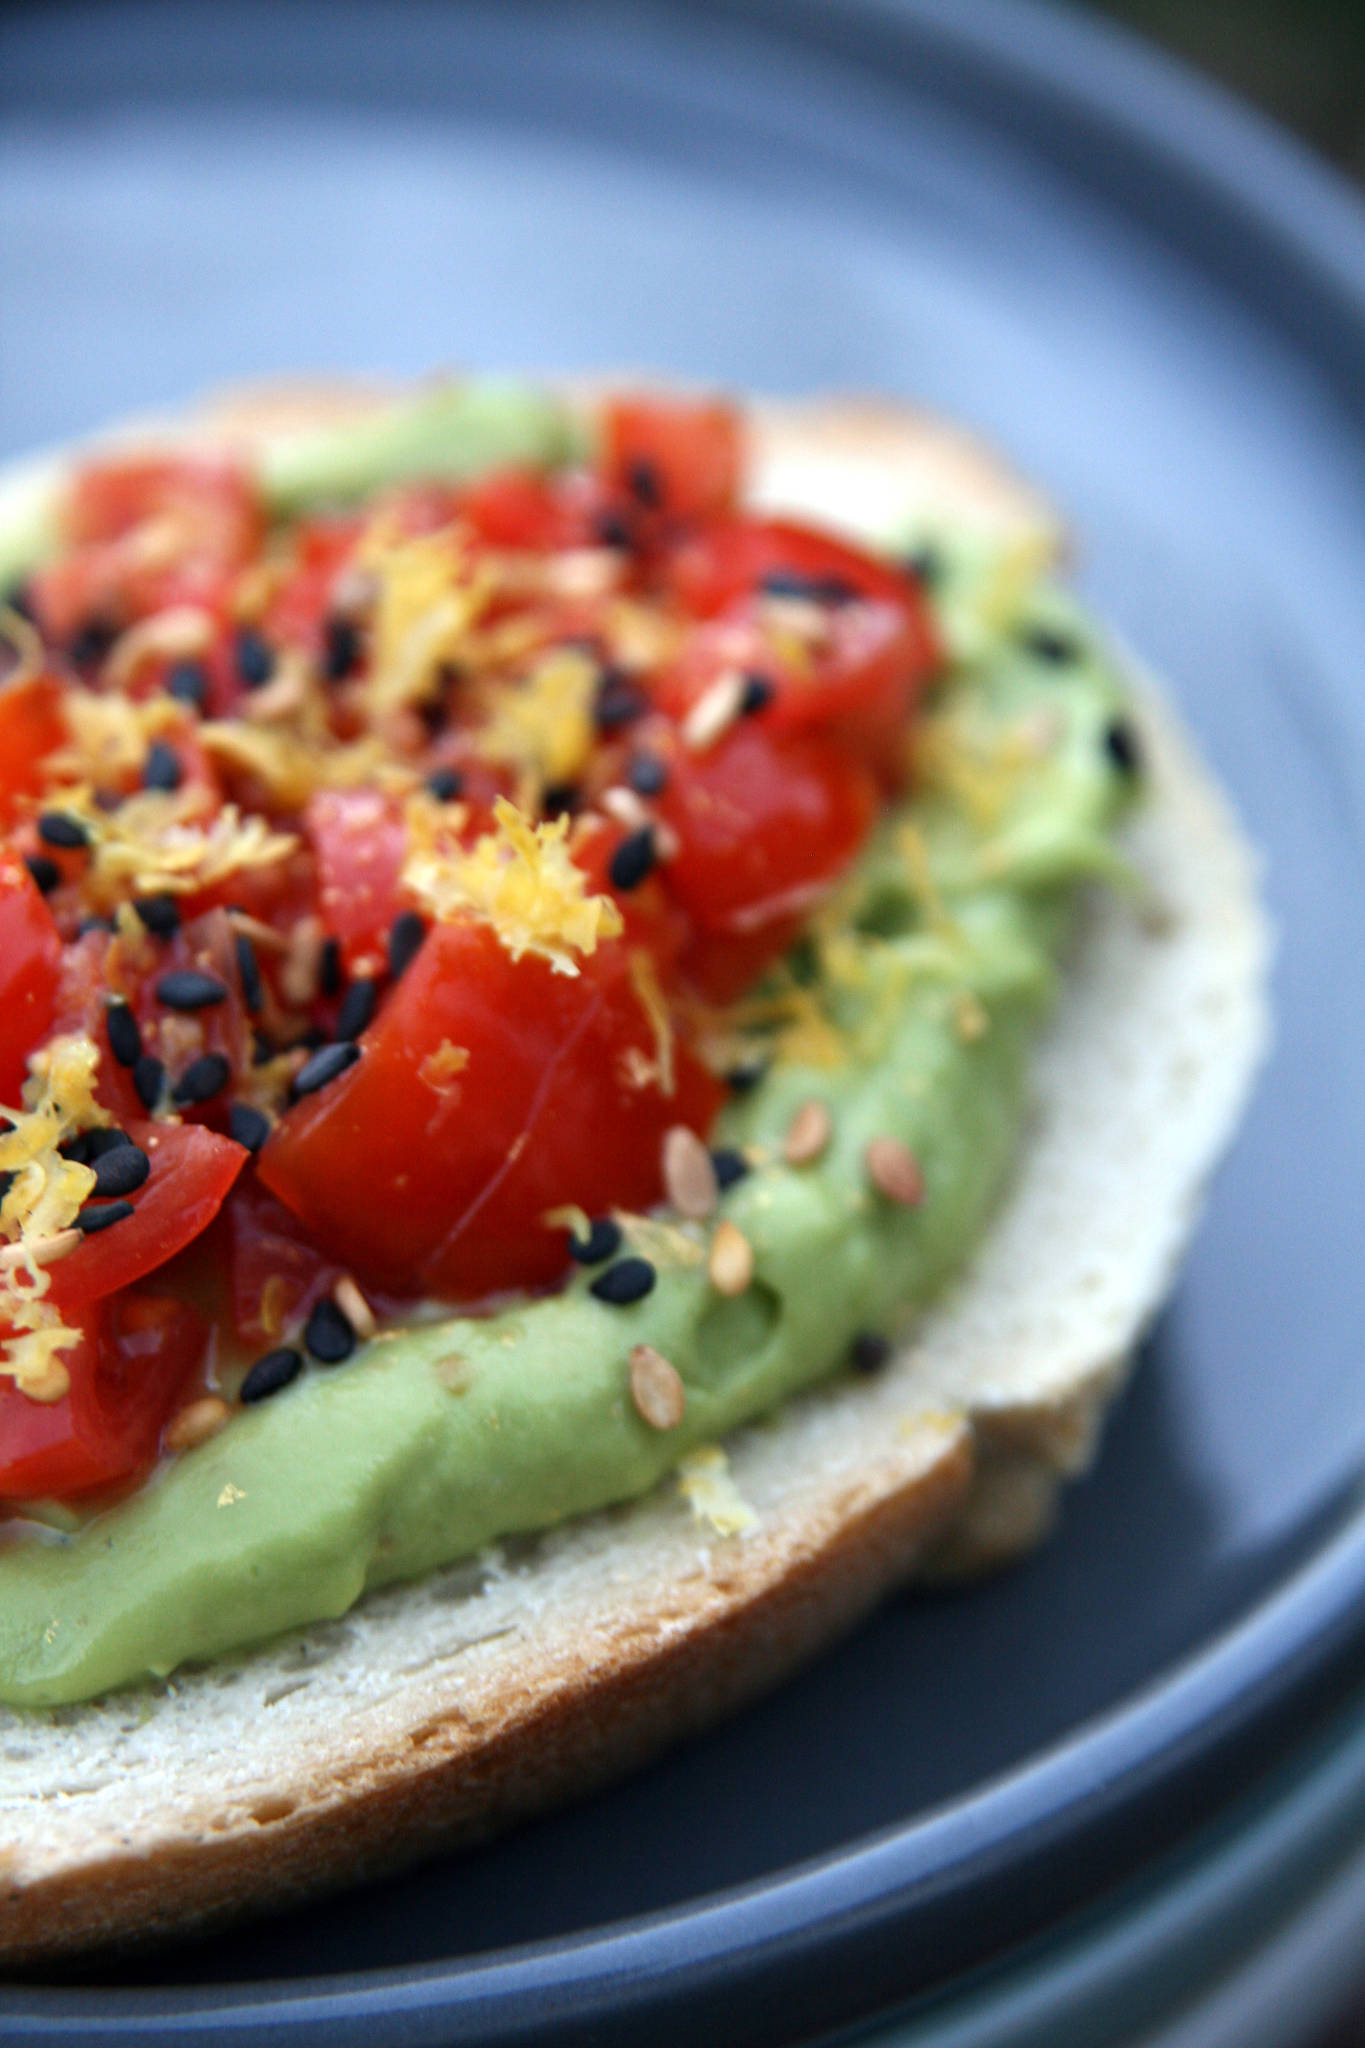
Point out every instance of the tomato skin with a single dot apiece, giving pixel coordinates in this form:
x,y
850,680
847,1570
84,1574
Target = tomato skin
x,y
764,824
688,454
135,1358
31,726
360,841
192,1171
439,1185
30,964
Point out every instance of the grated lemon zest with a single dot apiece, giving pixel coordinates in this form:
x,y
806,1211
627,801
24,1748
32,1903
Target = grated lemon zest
x,y
644,980
154,842
708,1487
519,879
544,725
108,736
429,595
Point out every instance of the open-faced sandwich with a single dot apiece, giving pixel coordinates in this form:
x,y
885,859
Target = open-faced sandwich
x,y
611,1021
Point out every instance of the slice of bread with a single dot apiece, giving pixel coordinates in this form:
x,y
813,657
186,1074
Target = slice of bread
x,y
436,1713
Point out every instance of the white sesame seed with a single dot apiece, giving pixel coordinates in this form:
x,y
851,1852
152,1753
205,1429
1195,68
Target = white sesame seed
x,y
808,1133
655,1388
196,1423
714,712
626,807
354,1307
894,1171
689,1175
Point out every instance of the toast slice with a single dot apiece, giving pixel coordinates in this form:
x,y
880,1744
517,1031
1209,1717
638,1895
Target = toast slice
x,y
437,1713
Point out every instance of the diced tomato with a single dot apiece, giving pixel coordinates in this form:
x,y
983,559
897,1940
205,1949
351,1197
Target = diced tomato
x,y
525,508
127,1374
680,457
360,842
765,823
192,1171
276,1271
298,611
30,964
31,725
145,533
481,1099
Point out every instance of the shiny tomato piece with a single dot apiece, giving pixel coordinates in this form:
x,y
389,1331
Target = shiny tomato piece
x,y
489,1091
360,841
31,725
299,609
525,508
30,964
681,457
192,1171
135,1359
765,823
276,1271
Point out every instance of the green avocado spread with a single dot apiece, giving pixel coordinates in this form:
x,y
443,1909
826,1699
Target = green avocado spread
x,y
909,1010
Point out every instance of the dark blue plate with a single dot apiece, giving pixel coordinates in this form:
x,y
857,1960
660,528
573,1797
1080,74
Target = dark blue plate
x,y
1159,308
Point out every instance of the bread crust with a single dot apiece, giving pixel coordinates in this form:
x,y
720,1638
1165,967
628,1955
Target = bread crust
x,y
578,1660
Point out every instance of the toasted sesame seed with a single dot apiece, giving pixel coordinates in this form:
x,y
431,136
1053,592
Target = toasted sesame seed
x,y
188,683
808,1133
44,870
1121,745
269,1374
629,1280
161,769
149,1079
248,1126
602,1242
249,973
445,784
759,692
689,1175
354,1307
189,988
357,1008
121,1028
647,774
328,1335
730,1166
60,829
869,1351
656,1389
633,859
255,658
202,1079
121,1171
159,913
714,712
730,1261
324,1066
341,648
196,1422
406,934
91,1221
894,1171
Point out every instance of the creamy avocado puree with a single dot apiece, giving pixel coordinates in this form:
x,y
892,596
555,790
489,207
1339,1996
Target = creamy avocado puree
x,y
915,1005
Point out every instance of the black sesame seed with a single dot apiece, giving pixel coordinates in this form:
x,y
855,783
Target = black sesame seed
x,y
325,1065
758,695
314,1038
162,769
248,1126
730,1166
203,1079
741,1079
92,643
263,1047
188,683
125,1039
612,530
121,1171
618,701
445,784
189,988
357,1009
328,1334
925,565
627,1281
59,828
406,934
647,774
1121,745
7,1180
149,1079
270,1373
602,1242
560,798
44,871
329,967
645,483
832,590
249,973
19,598
869,1351
633,859
94,924
255,658
92,1220
160,914
1049,645
108,1138
341,645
